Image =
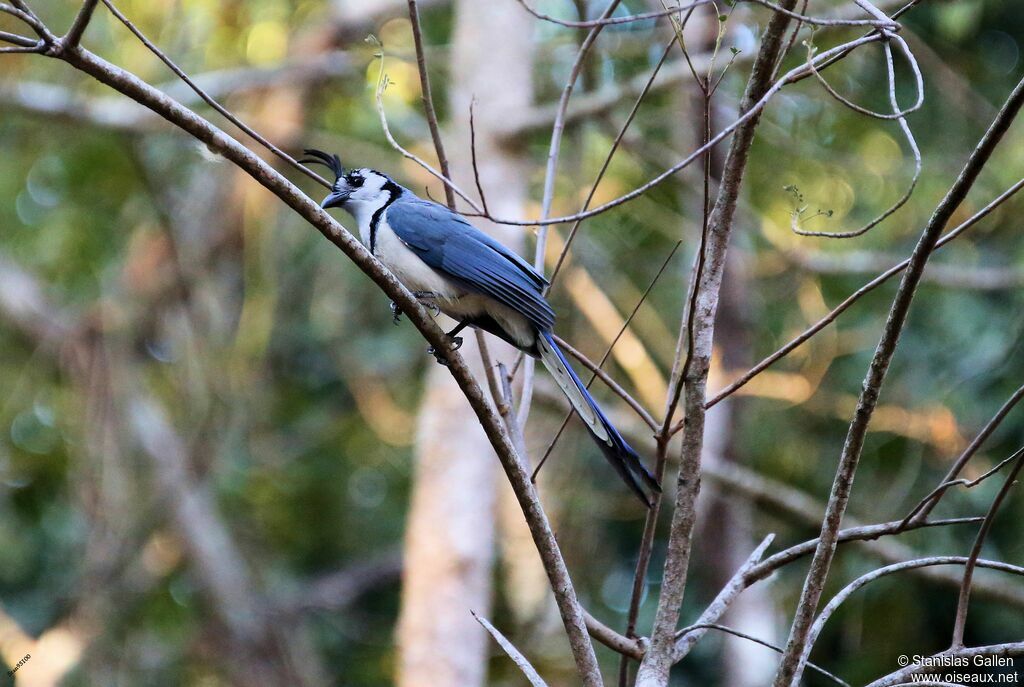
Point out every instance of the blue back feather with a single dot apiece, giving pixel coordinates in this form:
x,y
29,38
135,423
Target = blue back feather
x,y
448,243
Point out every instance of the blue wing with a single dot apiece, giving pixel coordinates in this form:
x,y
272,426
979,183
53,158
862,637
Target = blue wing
x,y
449,244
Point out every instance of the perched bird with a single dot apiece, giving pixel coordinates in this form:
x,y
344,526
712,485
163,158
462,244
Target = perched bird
x,y
455,268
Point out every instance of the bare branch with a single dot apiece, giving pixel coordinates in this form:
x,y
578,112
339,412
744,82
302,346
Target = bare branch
x,y
18,40
904,127
805,510
960,622
755,640
654,669
603,100
899,678
627,646
210,101
843,484
509,648
597,372
612,385
428,101
23,13
885,23
857,295
688,637
922,509
897,112
607,20
9,50
607,162
863,580
558,128
74,34
752,113
550,175
382,84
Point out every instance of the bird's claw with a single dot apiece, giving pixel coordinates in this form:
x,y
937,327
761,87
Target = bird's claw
x,y
426,300
437,356
454,344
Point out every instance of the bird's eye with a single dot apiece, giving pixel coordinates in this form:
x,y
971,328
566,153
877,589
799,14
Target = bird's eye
x,y
354,180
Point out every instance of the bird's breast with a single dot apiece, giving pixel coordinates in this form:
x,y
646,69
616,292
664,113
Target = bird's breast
x,y
415,274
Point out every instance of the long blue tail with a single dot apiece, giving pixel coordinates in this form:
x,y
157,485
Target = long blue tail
x,y
620,454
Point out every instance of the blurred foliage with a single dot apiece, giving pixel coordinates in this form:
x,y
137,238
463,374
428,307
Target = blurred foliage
x,y
280,367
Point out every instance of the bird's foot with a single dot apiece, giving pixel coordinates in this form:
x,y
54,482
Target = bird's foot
x,y
454,344
426,299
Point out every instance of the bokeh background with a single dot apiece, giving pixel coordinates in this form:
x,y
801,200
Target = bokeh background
x,y
209,424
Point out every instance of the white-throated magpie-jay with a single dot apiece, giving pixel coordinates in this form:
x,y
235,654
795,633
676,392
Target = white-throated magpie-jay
x,y
438,255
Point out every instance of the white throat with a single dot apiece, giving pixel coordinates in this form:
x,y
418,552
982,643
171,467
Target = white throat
x,y
363,211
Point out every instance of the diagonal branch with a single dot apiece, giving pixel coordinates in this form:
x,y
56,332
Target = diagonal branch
x,y
902,677
856,296
867,578
428,103
210,101
654,670
960,621
854,445
687,638
922,509
510,649
222,144
81,23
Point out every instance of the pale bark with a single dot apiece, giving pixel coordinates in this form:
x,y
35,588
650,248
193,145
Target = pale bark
x,y
449,545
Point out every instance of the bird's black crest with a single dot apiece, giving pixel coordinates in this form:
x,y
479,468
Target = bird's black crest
x,y
321,158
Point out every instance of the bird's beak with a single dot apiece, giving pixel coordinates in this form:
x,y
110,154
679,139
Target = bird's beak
x,y
335,199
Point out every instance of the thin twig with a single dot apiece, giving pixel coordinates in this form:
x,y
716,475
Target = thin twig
x,y
548,197
19,40
74,34
867,578
753,112
472,153
509,648
886,23
654,669
907,134
599,102
428,100
644,414
963,601
925,506
743,635
853,298
875,377
607,163
210,101
382,84
612,385
687,638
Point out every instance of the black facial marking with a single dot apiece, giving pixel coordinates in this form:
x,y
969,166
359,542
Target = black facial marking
x,y
393,190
